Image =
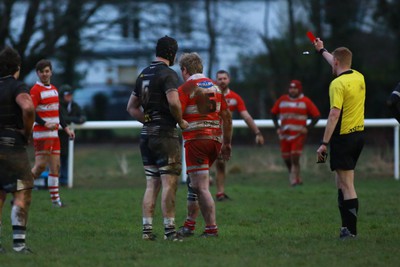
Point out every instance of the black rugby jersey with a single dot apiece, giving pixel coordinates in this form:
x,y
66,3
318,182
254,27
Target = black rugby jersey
x,y
10,112
151,87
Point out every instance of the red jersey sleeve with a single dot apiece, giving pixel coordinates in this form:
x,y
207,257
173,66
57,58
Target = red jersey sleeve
x,y
241,106
35,94
183,96
239,103
275,108
313,111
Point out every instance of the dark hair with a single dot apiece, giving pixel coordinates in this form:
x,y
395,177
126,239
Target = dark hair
x,y
10,61
65,89
166,48
223,72
43,63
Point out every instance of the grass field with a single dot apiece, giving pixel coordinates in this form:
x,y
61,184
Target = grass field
x,y
268,223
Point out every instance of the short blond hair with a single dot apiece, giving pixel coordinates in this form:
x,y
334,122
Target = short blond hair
x,y
191,62
344,56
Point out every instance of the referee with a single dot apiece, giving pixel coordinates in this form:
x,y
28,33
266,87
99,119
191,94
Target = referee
x,y
344,132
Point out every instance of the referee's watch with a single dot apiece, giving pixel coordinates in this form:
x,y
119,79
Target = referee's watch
x,y
324,143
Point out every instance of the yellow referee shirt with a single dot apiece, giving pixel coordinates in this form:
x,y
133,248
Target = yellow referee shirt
x,y
347,93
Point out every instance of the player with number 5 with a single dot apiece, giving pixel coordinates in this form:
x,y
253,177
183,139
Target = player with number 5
x,y
209,134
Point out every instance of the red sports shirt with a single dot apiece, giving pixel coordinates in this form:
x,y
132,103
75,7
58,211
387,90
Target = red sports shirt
x,y
235,102
202,112
46,102
293,113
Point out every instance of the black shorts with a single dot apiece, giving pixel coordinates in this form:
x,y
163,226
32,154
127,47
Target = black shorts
x,y
162,152
345,150
15,174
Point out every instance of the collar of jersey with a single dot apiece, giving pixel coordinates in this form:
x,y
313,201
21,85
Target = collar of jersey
x,y
298,97
346,72
42,84
158,63
196,76
6,77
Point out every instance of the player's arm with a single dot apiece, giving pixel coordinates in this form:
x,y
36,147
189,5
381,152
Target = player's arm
x,y
35,100
175,107
275,120
252,125
134,108
24,100
307,128
276,123
39,120
183,98
48,125
314,121
313,113
226,118
319,46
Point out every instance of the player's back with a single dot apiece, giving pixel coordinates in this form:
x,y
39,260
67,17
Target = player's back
x,y
11,114
202,102
152,85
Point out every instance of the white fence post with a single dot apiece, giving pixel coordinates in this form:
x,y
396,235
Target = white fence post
x,y
183,174
95,125
70,163
396,152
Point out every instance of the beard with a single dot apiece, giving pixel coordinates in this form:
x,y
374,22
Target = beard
x,y
223,86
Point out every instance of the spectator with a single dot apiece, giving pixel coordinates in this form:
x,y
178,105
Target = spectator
x,y
72,113
393,102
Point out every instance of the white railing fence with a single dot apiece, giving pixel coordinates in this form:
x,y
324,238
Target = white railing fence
x,y
97,125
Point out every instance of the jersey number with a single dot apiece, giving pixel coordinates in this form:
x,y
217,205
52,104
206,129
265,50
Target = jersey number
x,y
206,103
145,91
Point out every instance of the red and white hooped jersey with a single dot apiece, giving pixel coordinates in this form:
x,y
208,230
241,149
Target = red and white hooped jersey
x,y
235,102
46,102
203,124
293,113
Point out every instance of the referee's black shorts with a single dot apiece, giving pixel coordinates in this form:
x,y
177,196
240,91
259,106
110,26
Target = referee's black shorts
x,y
345,150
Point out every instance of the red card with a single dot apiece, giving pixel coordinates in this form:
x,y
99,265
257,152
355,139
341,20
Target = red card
x,y
311,36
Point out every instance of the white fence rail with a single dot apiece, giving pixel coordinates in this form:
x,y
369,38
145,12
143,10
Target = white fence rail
x,y
97,125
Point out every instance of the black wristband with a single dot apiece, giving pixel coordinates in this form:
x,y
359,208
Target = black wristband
x,y
322,50
324,143
39,120
258,133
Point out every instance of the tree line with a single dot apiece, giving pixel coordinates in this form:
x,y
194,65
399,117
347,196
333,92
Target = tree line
x,y
67,30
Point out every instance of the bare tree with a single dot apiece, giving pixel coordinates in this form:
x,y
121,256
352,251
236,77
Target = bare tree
x,y
48,25
211,16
